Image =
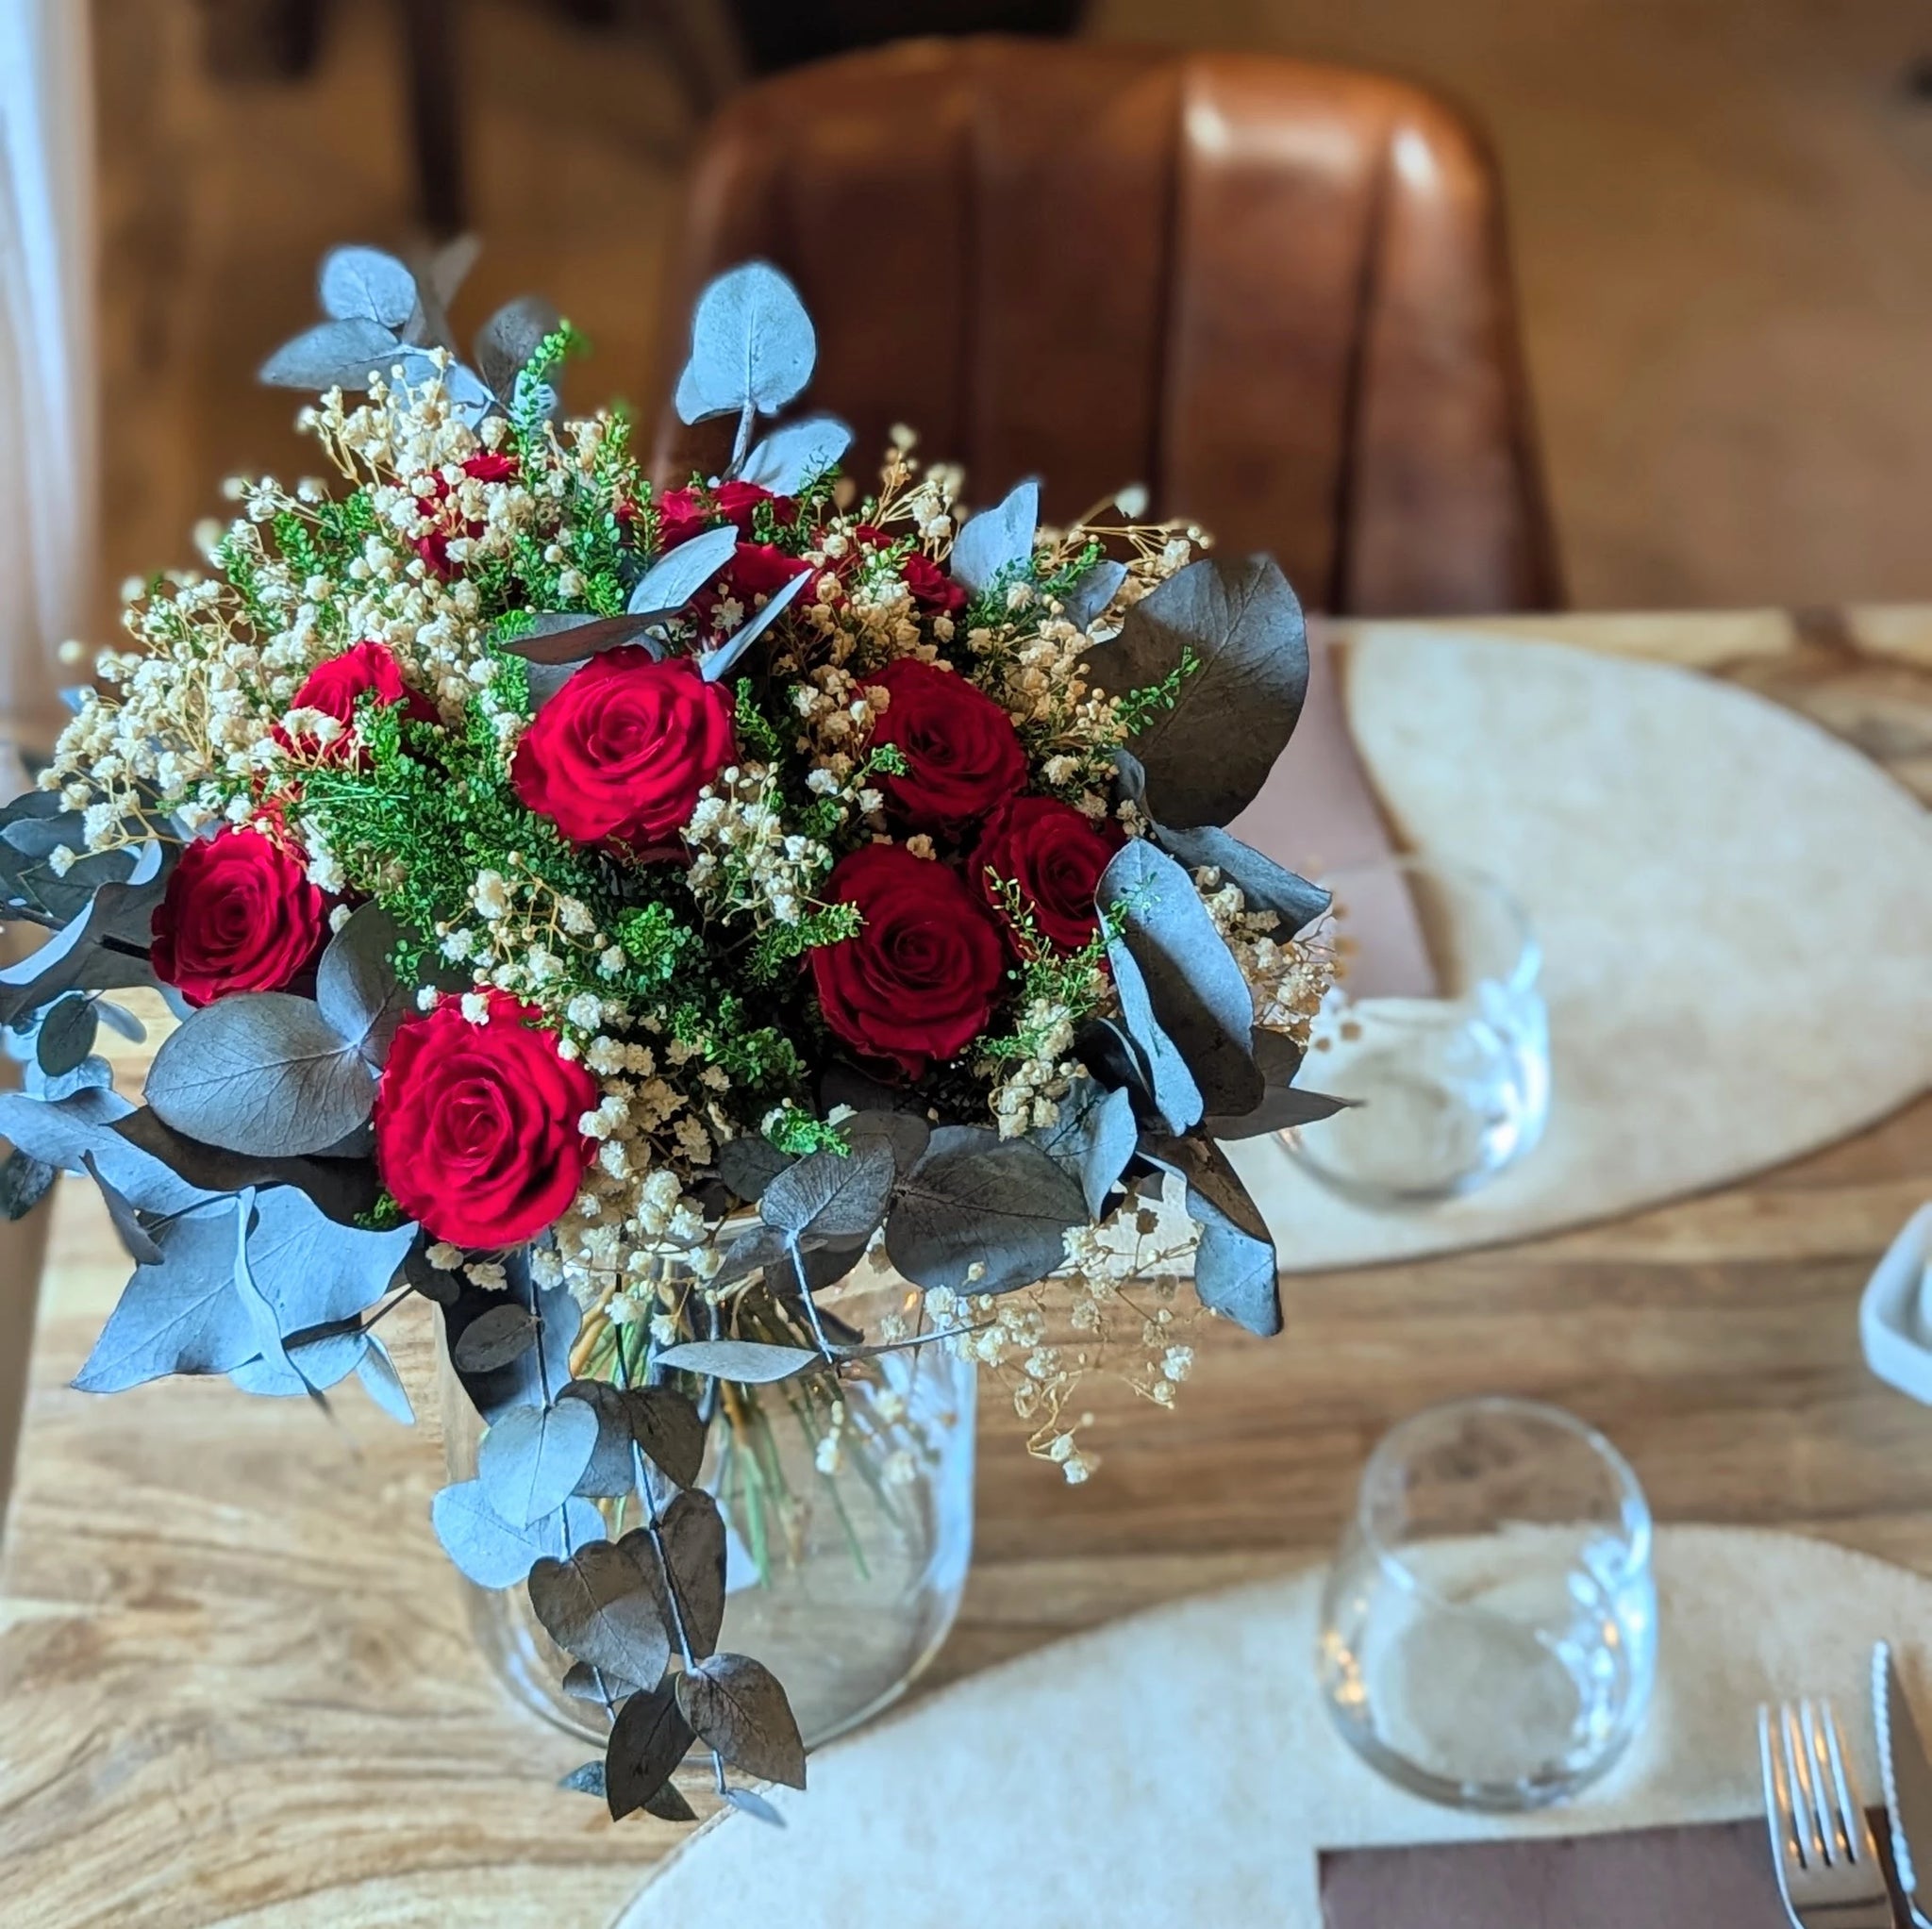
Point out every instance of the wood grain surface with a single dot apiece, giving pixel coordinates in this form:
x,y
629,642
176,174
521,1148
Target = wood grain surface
x,y
236,1684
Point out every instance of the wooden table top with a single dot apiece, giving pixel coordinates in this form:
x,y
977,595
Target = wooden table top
x,y
235,1681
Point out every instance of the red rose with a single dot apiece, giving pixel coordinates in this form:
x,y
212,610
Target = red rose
x,y
477,1125
918,980
964,756
761,569
488,467
622,750
433,546
683,513
931,587
240,915
1055,856
333,688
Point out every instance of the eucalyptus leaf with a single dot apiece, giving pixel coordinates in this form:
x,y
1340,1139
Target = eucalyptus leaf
x,y
66,1035
1176,1098
1284,1105
332,354
563,641
261,1072
601,1605
716,664
488,1549
679,573
117,1019
648,1739
1084,603
905,1135
510,338
92,1071
494,1338
1236,622
748,1802
735,1705
996,539
1234,1264
536,1372
743,1362
61,1132
831,1195
692,1534
588,1779
356,989
464,391
345,1190
1196,991
532,1458
25,1181
1265,885
749,1164
799,453
383,1384
182,1316
364,284
136,1240
1110,1135
668,1804
665,1424
583,1683
977,1200
752,346
102,947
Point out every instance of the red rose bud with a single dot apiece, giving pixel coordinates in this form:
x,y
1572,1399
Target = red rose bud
x,y
622,750
963,754
683,513
333,688
761,569
240,915
477,1125
487,467
932,589
918,980
1055,856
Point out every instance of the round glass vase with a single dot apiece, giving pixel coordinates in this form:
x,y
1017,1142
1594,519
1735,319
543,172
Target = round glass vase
x,y
846,1547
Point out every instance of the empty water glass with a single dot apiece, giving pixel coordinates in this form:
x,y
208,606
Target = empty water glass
x,y
1489,1628
1437,1028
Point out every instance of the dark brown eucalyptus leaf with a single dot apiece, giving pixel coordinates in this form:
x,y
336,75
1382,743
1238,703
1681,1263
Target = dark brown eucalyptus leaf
x,y
647,1741
602,1606
692,1531
735,1705
668,1804
494,1338
831,1195
583,1683
666,1425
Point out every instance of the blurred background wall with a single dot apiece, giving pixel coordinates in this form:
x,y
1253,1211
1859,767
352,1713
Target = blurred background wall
x,y
1722,209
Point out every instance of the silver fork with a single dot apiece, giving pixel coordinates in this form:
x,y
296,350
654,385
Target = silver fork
x,y
1828,1869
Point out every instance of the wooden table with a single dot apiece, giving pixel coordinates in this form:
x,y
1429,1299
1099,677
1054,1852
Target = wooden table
x,y
235,1681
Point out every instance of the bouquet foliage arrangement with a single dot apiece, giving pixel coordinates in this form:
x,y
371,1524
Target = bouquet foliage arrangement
x,y
615,914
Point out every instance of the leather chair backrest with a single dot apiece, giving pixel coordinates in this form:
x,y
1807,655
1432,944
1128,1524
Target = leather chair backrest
x,y
1277,293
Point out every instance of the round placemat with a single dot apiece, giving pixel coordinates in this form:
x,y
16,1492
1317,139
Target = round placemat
x,y
1179,1767
1734,909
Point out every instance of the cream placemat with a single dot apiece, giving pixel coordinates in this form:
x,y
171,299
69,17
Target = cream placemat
x,y
1179,1768
1735,909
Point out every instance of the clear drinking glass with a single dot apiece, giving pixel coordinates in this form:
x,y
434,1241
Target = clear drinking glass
x,y
841,1576
1489,1628
1438,1029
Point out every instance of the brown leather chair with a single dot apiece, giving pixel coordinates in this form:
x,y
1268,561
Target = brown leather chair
x,y
1277,293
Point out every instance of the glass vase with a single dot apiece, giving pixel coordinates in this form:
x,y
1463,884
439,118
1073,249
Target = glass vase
x,y
846,1547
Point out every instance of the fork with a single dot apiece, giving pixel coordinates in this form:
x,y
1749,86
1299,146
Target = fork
x,y
1828,1869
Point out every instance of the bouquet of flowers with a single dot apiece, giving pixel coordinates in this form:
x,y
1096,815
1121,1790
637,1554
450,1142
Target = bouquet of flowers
x,y
616,915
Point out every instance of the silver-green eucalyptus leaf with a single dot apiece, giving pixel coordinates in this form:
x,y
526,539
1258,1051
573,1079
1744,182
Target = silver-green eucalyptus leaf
x,y
364,284
679,573
1264,885
996,539
62,1132
510,338
1087,599
1234,1264
1232,630
981,1213
1151,1061
716,664
382,1383
182,1316
532,1458
831,1195
332,354
744,1362
488,1549
264,1073
752,346
1197,994
356,989
789,458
